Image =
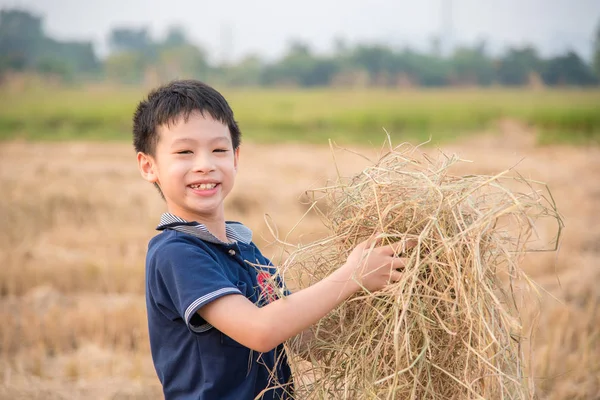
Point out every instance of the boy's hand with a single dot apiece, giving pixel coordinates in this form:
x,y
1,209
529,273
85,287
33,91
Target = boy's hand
x,y
375,267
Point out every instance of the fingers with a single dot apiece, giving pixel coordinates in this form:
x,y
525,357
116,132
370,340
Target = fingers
x,y
374,239
401,246
369,243
395,276
398,264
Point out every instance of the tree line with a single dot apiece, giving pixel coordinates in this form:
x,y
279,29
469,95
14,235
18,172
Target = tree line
x,y
135,57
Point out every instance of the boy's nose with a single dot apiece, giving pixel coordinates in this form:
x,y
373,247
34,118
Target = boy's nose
x,y
204,164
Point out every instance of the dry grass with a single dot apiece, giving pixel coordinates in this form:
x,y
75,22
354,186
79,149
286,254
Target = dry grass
x,y
450,328
75,219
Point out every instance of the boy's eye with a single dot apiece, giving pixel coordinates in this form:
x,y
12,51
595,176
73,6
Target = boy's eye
x,y
184,152
220,150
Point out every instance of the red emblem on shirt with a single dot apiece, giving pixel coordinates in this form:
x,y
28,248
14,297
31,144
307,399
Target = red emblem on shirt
x,y
267,290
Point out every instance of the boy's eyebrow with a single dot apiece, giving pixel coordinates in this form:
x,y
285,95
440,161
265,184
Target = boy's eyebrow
x,y
182,141
220,139
190,140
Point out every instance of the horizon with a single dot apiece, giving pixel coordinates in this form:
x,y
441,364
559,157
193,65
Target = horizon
x,y
230,36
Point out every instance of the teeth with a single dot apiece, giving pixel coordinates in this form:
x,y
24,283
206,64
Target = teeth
x,y
204,186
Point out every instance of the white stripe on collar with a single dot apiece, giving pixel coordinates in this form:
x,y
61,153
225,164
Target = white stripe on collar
x,y
235,231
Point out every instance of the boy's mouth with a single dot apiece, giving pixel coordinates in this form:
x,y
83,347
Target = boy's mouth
x,y
203,186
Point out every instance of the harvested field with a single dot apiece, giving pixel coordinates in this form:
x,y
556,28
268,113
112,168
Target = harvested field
x,y
76,218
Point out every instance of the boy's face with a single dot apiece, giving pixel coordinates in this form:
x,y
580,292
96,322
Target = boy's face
x,y
194,165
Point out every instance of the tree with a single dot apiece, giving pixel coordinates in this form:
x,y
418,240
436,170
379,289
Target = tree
x,y
21,39
517,64
129,39
596,55
176,57
132,40
176,37
183,61
423,69
79,57
24,46
247,72
568,69
376,59
125,67
300,67
471,66
132,52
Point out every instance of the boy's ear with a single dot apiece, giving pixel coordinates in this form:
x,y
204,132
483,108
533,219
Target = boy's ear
x,y
147,167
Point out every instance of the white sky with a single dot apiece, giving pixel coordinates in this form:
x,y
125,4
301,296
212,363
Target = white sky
x,y
232,28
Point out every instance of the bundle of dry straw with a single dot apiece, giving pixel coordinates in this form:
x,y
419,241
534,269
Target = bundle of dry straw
x,y
450,328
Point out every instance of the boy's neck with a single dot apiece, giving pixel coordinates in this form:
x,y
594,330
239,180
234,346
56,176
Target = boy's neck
x,y
215,225
217,228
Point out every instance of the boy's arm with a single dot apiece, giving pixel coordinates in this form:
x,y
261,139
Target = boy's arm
x,y
262,329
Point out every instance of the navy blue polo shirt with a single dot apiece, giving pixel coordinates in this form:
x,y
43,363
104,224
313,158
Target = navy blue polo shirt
x,y
186,268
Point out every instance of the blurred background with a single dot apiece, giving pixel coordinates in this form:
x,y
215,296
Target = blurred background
x,y
500,83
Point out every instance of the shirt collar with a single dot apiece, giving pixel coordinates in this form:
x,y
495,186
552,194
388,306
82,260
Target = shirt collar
x,y
235,231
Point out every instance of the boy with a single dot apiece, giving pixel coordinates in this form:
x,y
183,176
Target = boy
x,y
216,332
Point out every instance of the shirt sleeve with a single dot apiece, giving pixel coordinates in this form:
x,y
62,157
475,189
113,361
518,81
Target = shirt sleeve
x,y
186,278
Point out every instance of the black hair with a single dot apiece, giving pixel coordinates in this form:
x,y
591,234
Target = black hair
x,y
176,99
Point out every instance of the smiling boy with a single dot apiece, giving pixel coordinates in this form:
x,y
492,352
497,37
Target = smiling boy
x,y
216,330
